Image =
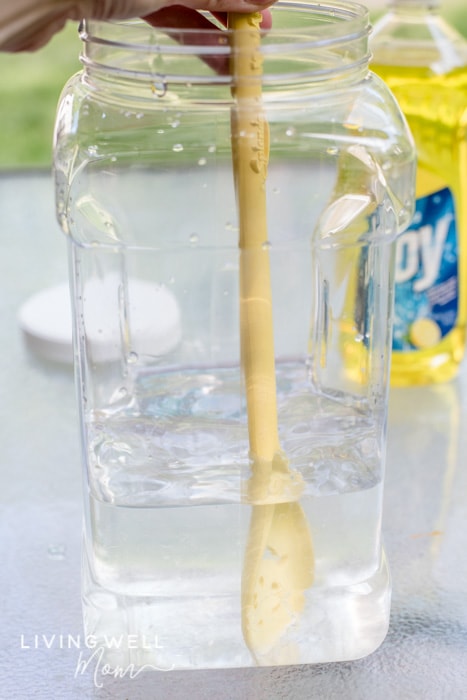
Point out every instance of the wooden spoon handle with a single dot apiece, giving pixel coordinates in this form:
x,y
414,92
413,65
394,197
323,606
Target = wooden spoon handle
x,y
250,146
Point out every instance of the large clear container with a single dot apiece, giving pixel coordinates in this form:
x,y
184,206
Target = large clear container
x,y
198,550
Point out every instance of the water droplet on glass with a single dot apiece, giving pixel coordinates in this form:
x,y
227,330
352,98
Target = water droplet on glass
x,y
290,131
266,245
132,358
56,551
211,149
174,123
161,131
332,150
177,147
194,239
139,115
119,395
159,87
276,190
202,161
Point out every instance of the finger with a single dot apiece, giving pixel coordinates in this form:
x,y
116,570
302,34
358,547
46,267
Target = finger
x,y
122,9
266,22
184,18
176,19
30,37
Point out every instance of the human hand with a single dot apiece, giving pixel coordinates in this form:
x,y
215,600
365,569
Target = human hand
x,y
176,18
26,25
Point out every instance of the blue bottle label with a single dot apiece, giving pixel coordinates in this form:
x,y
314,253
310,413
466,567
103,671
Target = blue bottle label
x,y
426,293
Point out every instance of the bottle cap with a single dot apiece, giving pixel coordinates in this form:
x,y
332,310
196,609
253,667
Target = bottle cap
x,y
45,319
152,311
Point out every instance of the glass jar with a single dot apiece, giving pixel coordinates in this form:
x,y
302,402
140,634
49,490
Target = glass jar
x,y
233,394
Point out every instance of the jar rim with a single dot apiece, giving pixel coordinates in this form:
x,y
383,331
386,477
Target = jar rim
x,y
344,19
309,41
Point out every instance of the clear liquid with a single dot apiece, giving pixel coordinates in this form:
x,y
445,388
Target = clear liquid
x,y
435,107
167,528
174,575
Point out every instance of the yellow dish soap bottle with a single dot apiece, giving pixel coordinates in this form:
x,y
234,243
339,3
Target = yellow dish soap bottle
x,y
424,62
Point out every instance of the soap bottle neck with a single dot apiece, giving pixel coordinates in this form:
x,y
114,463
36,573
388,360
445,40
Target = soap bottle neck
x,y
414,6
412,32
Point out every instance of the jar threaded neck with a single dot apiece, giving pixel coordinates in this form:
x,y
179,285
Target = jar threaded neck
x,y
307,42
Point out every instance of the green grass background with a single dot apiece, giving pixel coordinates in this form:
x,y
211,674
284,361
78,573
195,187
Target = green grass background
x,y
30,87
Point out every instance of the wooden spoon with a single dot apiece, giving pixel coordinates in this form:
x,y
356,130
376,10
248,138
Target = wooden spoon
x,y
279,559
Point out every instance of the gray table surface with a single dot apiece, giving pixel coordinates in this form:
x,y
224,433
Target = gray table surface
x,y
425,521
